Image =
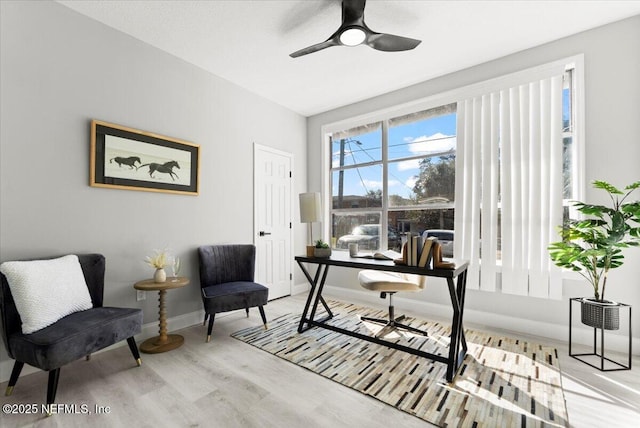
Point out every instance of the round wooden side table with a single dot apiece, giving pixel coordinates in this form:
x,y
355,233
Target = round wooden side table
x,y
164,342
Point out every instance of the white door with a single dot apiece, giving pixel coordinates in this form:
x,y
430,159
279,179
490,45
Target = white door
x,y
272,219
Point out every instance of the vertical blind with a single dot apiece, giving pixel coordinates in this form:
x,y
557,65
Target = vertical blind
x,y
509,186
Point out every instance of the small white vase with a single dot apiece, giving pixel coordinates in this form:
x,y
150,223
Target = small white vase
x,y
160,275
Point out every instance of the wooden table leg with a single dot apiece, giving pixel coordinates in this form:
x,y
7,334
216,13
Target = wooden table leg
x,y
164,342
162,317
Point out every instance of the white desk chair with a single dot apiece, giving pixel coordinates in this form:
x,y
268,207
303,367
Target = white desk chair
x,y
391,283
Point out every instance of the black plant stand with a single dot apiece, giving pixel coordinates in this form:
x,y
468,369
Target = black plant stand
x,y
618,366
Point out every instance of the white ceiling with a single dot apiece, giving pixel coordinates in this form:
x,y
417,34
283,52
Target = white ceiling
x,y
249,42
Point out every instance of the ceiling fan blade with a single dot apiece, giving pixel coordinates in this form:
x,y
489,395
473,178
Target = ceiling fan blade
x,y
314,48
353,12
391,42
352,23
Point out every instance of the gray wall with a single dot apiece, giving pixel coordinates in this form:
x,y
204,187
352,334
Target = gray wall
x,y
612,70
59,70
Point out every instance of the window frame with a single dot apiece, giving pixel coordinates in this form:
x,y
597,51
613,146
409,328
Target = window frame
x,y
448,97
383,118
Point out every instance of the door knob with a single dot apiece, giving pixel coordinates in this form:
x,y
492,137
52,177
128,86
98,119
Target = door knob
x,y
263,233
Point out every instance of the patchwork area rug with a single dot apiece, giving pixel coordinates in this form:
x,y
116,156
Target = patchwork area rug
x,y
502,382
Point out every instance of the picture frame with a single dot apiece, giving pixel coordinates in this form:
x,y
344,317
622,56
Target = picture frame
x,y
128,158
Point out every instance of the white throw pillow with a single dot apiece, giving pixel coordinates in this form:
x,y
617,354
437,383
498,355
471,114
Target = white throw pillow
x,y
46,290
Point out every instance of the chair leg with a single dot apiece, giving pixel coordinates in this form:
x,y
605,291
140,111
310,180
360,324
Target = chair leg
x,y
210,328
206,316
264,317
408,327
52,386
247,310
134,350
391,316
392,323
88,357
15,373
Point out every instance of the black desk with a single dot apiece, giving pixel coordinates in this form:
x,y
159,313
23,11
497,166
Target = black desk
x,y
458,344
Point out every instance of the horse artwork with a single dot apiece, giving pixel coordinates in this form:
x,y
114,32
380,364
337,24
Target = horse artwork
x,y
130,161
120,156
166,168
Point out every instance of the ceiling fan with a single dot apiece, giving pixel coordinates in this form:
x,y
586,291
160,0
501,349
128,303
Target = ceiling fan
x,y
354,31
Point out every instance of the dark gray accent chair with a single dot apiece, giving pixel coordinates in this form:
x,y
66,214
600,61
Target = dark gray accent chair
x,y
73,337
227,281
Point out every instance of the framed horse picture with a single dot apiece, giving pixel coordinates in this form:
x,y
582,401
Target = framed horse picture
x,y
127,158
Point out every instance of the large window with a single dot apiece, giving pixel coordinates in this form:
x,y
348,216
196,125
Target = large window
x,y
396,174
393,176
570,172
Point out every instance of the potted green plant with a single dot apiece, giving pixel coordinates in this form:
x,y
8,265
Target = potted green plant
x,y
321,249
593,246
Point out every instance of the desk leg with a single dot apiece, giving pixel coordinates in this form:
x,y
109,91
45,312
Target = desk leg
x,y
458,340
315,294
319,297
164,342
461,291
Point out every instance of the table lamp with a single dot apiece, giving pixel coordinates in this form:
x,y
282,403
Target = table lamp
x,y
310,211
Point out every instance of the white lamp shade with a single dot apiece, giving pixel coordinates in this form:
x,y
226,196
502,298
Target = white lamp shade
x,y
310,208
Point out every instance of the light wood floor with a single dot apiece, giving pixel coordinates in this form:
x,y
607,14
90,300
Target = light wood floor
x,y
227,383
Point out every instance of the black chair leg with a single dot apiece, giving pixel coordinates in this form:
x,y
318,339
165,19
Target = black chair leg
x,y
264,317
210,328
52,386
15,373
247,310
206,316
134,350
393,322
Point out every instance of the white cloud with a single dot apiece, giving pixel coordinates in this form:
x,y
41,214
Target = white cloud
x,y
411,181
435,143
336,157
371,184
408,165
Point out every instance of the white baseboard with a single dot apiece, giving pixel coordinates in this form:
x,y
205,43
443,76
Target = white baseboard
x,y
300,288
479,319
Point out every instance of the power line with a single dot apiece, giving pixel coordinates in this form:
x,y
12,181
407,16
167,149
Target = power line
x,y
393,176
354,161
370,149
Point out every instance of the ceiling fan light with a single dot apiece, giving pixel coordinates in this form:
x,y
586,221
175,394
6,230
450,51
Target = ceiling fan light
x,y
352,37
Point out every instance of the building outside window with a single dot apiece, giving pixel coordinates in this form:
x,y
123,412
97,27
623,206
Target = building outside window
x,y
396,175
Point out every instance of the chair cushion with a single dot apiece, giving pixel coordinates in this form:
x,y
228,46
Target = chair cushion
x,y
76,336
230,296
44,291
383,281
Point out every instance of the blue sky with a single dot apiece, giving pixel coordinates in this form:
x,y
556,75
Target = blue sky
x,y
431,135
421,137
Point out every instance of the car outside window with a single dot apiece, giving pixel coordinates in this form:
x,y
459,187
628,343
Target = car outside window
x,y
396,174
